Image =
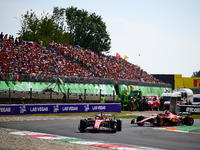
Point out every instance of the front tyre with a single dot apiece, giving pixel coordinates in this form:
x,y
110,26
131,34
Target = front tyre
x,y
83,125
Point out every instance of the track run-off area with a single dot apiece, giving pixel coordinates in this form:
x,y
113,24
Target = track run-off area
x,y
131,136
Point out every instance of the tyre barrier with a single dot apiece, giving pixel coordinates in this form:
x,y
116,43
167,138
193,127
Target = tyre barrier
x,y
23,109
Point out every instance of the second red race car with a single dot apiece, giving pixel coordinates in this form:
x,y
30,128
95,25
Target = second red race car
x,y
101,122
161,119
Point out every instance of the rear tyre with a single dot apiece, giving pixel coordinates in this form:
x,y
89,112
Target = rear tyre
x,y
83,125
119,125
189,120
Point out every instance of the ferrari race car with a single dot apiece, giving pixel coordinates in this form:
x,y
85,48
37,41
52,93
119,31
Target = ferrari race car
x,y
101,122
161,119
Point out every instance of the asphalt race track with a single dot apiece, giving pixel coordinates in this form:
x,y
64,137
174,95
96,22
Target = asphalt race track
x,y
130,134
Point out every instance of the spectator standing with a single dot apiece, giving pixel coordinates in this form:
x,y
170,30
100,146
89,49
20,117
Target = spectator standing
x,y
22,100
64,99
102,99
162,103
80,99
1,37
132,104
145,104
140,103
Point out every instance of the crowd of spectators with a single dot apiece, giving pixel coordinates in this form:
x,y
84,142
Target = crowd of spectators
x,y
103,66
20,57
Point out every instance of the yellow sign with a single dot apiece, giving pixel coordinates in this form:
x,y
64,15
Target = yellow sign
x,y
186,82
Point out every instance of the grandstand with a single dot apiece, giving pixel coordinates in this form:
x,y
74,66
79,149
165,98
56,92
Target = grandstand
x,y
65,60
26,61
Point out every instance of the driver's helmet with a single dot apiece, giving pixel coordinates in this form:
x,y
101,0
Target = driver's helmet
x,y
167,112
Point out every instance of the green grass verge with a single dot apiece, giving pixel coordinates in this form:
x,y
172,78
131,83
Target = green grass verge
x,y
195,116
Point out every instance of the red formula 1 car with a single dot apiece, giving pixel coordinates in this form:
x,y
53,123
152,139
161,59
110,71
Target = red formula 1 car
x,y
161,119
101,122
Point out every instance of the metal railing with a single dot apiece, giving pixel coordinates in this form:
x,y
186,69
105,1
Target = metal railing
x,y
66,79
10,97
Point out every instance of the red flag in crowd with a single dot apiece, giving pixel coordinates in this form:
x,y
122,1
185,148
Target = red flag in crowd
x,y
117,55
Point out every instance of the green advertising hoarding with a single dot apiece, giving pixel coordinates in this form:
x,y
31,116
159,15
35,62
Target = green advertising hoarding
x,y
76,88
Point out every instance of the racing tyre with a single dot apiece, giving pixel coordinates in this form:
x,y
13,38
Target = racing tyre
x,y
189,120
160,121
139,118
119,125
83,125
113,126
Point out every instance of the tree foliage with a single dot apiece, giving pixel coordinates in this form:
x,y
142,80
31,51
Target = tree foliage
x,y
60,26
196,74
45,28
87,30
70,25
29,26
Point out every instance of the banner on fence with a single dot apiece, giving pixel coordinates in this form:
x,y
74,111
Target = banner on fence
x,y
58,108
106,89
194,109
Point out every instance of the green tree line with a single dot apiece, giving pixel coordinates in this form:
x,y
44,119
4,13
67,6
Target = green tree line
x,y
70,25
196,74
